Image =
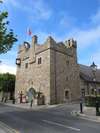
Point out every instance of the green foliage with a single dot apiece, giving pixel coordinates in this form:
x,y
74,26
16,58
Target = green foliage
x,y
7,82
1,1
91,100
7,37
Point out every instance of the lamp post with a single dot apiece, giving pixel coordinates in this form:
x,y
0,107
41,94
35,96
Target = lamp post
x,y
94,69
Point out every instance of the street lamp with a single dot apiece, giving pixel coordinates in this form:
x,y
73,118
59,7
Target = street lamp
x,y
94,69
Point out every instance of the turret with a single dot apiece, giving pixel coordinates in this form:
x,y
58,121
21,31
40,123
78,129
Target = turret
x,y
32,49
72,45
50,41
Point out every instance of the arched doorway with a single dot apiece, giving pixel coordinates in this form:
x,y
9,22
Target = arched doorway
x,y
67,95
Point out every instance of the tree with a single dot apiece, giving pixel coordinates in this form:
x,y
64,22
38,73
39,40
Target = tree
x,y
1,1
7,83
7,37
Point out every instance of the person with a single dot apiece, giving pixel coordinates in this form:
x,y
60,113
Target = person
x,y
2,100
31,103
21,94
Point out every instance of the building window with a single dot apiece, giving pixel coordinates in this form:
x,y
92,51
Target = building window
x,y
99,91
92,91
66,94
83,92
39,60
67,78
67,62
88,91
26,65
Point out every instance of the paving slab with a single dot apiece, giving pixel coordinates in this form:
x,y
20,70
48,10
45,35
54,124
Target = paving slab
x,y
89,113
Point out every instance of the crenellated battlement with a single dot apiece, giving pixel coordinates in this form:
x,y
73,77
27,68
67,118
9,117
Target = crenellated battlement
x,y
71,43
50,43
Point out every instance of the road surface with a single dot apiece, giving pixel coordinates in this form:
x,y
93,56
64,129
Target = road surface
x,y
52,120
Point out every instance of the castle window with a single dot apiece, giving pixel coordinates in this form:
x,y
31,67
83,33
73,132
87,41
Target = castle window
x,y
67,78
26,65
67,94
67,62
39,60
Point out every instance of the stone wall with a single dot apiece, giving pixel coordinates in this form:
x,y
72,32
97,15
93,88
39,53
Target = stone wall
x,y
56,74
64,74
35,75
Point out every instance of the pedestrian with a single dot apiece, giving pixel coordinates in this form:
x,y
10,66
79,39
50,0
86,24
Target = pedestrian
x,y
2,100
21,96
31,103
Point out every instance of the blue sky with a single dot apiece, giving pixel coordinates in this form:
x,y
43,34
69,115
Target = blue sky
x,y
62,19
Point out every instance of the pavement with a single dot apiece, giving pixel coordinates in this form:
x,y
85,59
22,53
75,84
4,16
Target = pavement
x,y
27,105
89,113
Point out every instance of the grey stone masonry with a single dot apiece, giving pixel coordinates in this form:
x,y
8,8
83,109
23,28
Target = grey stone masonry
x,y
50,68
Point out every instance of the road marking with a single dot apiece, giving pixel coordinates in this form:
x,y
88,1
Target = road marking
x,y
11,130
61,125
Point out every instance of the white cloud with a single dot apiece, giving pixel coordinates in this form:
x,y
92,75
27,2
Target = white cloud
x,y
96,17
4,68
67,21
36,9
88,37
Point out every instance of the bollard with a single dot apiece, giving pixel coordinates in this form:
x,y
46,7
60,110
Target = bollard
x,y
13,101
81,108
97,108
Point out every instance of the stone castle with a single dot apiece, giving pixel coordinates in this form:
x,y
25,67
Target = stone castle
x,y
51,69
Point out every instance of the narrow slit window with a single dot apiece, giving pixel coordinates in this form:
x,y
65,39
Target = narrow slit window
x,y
26,65
39,60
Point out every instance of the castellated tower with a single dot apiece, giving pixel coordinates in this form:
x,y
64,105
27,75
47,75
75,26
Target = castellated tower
x,y
51,69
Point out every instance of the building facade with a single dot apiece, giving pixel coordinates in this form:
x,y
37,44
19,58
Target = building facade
x,y
51,69
88,85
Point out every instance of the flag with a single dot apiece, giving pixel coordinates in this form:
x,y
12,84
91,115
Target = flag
x,y
29,32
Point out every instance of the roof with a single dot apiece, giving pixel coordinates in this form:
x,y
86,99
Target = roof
x,y
87,74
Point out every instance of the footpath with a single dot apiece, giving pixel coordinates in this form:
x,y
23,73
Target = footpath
x,y
27,105
89,113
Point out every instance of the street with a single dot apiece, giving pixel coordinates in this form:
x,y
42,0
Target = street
x,y
52,120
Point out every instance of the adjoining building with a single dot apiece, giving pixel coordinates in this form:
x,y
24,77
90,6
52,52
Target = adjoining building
x,y
87,82
51,69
